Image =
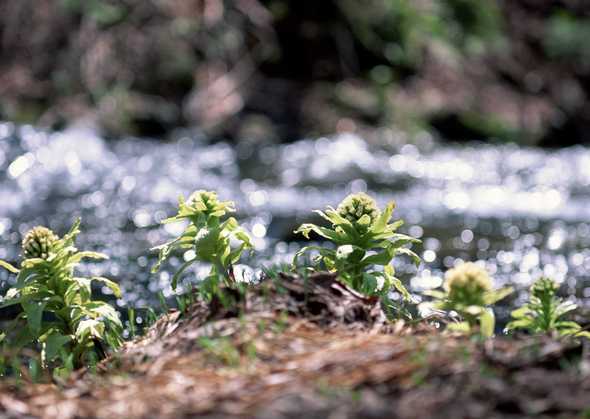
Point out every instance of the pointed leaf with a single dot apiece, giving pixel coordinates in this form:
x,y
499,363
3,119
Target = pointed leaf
x,y
113,286
180,271
53,344
487,322
415,258
34,311
8,267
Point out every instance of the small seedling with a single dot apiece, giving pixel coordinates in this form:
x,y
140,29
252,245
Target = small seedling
x,y
62,319
364,239
221,349
468,292
209,236
544,311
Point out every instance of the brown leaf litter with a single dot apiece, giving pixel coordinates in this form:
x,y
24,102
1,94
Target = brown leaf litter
x,y
314,348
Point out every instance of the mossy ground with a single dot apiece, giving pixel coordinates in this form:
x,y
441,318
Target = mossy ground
x,y
313,348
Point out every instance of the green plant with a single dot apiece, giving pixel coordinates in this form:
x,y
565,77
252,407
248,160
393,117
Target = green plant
x,y
565,36
543,312
364,239
209,237
62,319
468,292
221,349
401,31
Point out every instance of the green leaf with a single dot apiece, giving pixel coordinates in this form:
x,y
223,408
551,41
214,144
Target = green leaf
x,y
230,224
324,252
439,295
72,294
235,254
521,312
206,243
70,236
399,286
415,258
89,255
88,329
461,327
326,233
381,258
524,323
53,344
343,252
565,307
113,286
13,301
244,237
381,223
179,272
570,325
84,288
492,297
8,267
370,284
102,309
332,216
34,312
487,322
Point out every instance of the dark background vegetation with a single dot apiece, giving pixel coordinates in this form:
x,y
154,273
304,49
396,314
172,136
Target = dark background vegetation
x,y
282,69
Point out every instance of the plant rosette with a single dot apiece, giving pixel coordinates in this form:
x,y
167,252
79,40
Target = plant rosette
x,y
544,311
214,239
468,291
366,244
61,317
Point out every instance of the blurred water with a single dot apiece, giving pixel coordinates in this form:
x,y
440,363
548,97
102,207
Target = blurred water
x,y
524,211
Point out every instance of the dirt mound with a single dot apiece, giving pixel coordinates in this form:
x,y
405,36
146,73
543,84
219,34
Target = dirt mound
x,y
314,348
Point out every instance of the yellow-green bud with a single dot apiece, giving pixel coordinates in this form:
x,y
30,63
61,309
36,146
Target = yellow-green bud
x,y
354,206
38,242
467,283
544,287
208,203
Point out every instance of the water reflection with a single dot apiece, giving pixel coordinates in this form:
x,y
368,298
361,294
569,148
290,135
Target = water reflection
x,y
525,212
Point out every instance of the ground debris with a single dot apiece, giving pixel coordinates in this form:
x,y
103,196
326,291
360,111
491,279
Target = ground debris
x,y
313,348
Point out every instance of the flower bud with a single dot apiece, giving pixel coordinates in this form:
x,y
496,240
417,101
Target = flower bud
x,y
544,287
355,206
467,283
208,203
38,242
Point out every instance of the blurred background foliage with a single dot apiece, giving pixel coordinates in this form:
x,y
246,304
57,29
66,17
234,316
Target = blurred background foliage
x,y
284,69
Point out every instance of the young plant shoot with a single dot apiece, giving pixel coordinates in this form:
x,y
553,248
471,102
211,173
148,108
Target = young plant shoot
x,y
544,311
468,291
210,238
364,240
62,320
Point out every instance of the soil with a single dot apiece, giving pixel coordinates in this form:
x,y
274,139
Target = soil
x,y
312,348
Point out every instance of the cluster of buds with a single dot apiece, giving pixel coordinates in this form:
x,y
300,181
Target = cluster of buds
x,y
355,206
207,203
467,283
544,287
38,243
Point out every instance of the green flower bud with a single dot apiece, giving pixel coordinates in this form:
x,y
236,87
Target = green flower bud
x,y
38,242
467,283
544,287
208,203
355,206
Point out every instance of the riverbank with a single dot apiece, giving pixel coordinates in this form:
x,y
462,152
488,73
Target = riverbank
x,y
315,348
